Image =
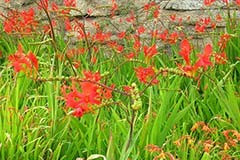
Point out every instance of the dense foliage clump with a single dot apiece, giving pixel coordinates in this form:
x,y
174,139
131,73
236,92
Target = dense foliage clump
x,y
70,92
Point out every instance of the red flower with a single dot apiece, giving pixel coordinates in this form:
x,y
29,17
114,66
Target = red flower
x,y
47,28
54,6
22,62
131,17
120,48
163,36
121,35
130,55
226,1
213,25
204,58
149,5
8,26
114,8
237,2
89,11
107,93
127,89
101,37
68,26
149,52
69,3
208,2
156,13
78,112
188,69
219,17
223,41
33,59
185,50
154,34
206,21
90,94
173,17
141,30
137,44
199,28
43,4
172,39
17,21
92,76
221,58
94,60
145,75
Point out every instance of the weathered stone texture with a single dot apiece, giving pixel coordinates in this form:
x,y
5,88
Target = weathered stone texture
x,y
101,12
188,5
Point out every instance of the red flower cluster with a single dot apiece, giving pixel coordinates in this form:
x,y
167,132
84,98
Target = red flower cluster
x,y
151,51
185,50
208,2
153,7
81,101
43,4
202,61
21,62
173,37
222,43
68,26
232,137
20,21
203,23
221,58
145,75
121,35
141,30
91,94
165,36
204,58
149,5
70,3
101,37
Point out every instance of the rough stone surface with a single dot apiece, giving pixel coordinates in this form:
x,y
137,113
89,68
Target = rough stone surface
x,y
101,12
102,7
183,5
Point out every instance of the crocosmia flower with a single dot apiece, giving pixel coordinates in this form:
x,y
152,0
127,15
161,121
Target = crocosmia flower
x,y
204,58
208,2
26,63
151,51
146,75
185,50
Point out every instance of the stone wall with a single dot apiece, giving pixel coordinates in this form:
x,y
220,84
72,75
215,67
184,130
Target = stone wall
x,y
195,9
181,8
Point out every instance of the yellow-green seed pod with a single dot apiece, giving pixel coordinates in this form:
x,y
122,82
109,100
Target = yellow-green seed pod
x,y
137,102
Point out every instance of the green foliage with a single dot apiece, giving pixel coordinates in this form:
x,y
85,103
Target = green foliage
x,y
36,124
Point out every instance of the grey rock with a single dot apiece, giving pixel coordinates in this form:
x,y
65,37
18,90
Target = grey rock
x,y
103,7
184,4
192,5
